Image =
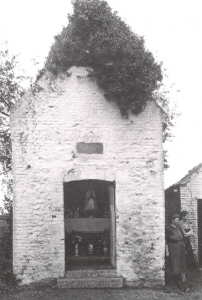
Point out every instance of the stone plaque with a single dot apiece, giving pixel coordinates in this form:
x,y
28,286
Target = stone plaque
x,y
90,148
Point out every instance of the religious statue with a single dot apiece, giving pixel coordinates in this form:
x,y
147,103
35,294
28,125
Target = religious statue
x,y
90,205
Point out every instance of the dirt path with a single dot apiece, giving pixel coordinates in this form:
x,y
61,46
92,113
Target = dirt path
x,y
51,292
92,294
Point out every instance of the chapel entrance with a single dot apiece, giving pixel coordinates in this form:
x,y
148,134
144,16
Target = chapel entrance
x,y
200,230
89,207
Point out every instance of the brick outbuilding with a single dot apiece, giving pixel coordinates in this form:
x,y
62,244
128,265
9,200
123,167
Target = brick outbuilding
x,y
86,175
186,194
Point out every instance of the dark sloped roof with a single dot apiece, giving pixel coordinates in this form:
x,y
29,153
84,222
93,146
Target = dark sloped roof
x,y
187,177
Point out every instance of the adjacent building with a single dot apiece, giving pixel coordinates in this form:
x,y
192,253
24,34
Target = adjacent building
x,y
186,194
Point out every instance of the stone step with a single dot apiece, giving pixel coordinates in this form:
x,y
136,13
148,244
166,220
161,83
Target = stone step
x,y
90,273
93,282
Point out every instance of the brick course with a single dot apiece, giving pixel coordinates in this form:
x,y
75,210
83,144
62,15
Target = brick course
x,y
46,127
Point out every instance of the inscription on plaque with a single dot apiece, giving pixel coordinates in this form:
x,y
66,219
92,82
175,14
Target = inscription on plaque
x,y
90,148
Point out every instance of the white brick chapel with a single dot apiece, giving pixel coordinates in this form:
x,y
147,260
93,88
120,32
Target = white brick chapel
x,y
82,169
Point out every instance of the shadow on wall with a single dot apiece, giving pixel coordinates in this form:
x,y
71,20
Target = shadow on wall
x,y
172,202
6,271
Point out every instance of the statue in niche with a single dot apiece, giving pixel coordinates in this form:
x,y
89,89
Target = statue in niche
x,y
90,205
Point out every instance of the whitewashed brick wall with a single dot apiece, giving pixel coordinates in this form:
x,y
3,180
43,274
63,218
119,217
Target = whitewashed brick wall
x,y
45,130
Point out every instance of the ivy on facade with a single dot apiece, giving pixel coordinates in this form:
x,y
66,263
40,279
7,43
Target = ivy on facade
x,y
97,38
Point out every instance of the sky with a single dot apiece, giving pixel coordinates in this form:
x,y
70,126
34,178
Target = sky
x,y
172,30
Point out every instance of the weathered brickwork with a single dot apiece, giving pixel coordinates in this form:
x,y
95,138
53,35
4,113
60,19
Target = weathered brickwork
x,y
46,127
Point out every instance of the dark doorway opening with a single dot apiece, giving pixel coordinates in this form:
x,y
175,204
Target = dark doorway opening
x,y
200,231
89,207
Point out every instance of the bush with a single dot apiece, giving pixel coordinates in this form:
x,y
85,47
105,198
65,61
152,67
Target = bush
x,y
97,38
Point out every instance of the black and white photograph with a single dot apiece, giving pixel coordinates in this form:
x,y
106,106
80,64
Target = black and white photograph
x,y
100,149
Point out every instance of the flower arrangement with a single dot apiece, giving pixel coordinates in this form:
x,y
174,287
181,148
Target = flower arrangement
x,y
106,213
69,214
76,239
72,214
104,240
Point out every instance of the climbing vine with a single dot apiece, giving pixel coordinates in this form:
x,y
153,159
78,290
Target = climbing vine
x,y
96,37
